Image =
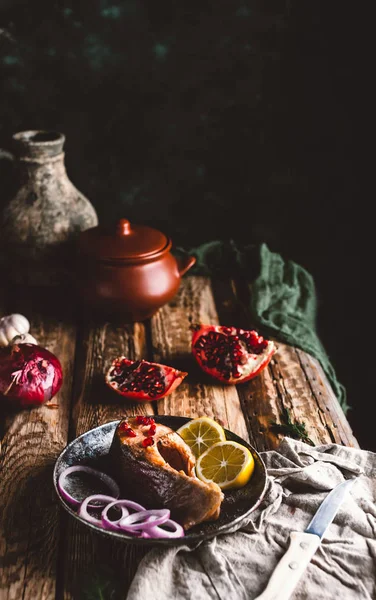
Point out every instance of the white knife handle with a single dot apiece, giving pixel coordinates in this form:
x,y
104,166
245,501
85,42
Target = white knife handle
x,y
291,566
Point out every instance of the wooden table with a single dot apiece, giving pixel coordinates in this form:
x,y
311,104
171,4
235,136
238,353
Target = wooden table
x,y
43,553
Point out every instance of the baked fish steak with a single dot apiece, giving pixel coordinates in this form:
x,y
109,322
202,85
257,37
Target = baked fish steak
x,y
155,467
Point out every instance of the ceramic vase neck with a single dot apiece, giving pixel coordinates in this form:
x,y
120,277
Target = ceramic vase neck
x,y
39,147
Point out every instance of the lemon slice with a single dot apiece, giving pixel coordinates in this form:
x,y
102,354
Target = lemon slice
x,y
201,433
228,464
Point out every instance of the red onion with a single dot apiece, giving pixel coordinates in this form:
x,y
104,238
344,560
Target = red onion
x,y
111,484
29,374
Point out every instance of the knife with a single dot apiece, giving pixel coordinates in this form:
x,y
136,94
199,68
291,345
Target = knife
x,y
303,545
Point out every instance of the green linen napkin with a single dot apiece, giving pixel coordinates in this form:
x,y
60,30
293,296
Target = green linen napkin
x,y
282,300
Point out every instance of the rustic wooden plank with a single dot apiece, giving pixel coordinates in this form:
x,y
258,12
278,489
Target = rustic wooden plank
x,y
86,550
29,524
33,439
94,404
257,398
295,393
328,410
287,383
293,380
99,343
198,395
260,397
95,560
260,402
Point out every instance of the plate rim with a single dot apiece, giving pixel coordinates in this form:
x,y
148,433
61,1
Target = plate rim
x,y
198,538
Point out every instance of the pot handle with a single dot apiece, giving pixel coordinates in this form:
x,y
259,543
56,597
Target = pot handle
x,y
185,263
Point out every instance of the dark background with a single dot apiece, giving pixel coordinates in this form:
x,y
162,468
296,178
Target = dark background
x,y
242,120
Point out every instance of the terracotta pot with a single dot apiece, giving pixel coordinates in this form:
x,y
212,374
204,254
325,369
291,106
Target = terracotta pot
x,y
40,223
128,272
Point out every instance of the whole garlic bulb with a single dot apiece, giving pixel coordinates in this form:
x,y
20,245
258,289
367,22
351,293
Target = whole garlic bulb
x,y
23,338
12,325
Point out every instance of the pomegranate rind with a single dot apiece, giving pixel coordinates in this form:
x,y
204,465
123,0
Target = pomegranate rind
x,y
173,378
261,360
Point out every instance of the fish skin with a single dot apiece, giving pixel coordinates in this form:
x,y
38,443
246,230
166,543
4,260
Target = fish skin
x,y
144,475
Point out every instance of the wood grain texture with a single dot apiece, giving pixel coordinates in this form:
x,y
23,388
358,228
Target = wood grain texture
x,y
45,555
258,397
199,394
29,525
83,552
329,412
93,402
294,381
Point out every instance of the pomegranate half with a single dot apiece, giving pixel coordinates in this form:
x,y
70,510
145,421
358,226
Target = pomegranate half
x,y
229,354
141,380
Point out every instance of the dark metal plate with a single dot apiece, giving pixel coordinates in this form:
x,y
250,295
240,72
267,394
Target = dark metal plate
x,y
92,449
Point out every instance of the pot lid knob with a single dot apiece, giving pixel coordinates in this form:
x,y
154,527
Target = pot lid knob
x,y
123,227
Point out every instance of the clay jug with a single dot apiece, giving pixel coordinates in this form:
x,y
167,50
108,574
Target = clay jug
x,y
40,224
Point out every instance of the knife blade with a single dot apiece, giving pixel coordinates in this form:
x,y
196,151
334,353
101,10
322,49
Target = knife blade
x,y
303,545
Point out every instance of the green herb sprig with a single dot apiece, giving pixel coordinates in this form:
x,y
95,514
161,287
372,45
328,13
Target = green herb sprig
x,y
101,584
291,428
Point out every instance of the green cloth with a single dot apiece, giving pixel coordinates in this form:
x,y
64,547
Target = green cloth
x,y
282,300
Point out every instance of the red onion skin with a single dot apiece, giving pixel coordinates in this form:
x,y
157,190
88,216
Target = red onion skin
x,y
29,375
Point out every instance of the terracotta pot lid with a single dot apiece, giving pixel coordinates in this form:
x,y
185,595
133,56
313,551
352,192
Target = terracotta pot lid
x,y
123,242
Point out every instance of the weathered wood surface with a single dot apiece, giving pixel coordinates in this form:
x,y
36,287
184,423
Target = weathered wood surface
x,y
32,440
43,554
171,343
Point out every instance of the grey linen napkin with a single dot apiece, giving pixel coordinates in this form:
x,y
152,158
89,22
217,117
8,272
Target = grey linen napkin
x,y
238,565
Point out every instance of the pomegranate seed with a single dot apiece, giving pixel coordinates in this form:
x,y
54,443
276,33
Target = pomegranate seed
x,y
226,330
152,429
147,442
126,429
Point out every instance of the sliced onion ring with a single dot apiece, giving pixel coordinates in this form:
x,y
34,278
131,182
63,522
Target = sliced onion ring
x,y
112,485
141,519
141,523
158,531
124,505
83,510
